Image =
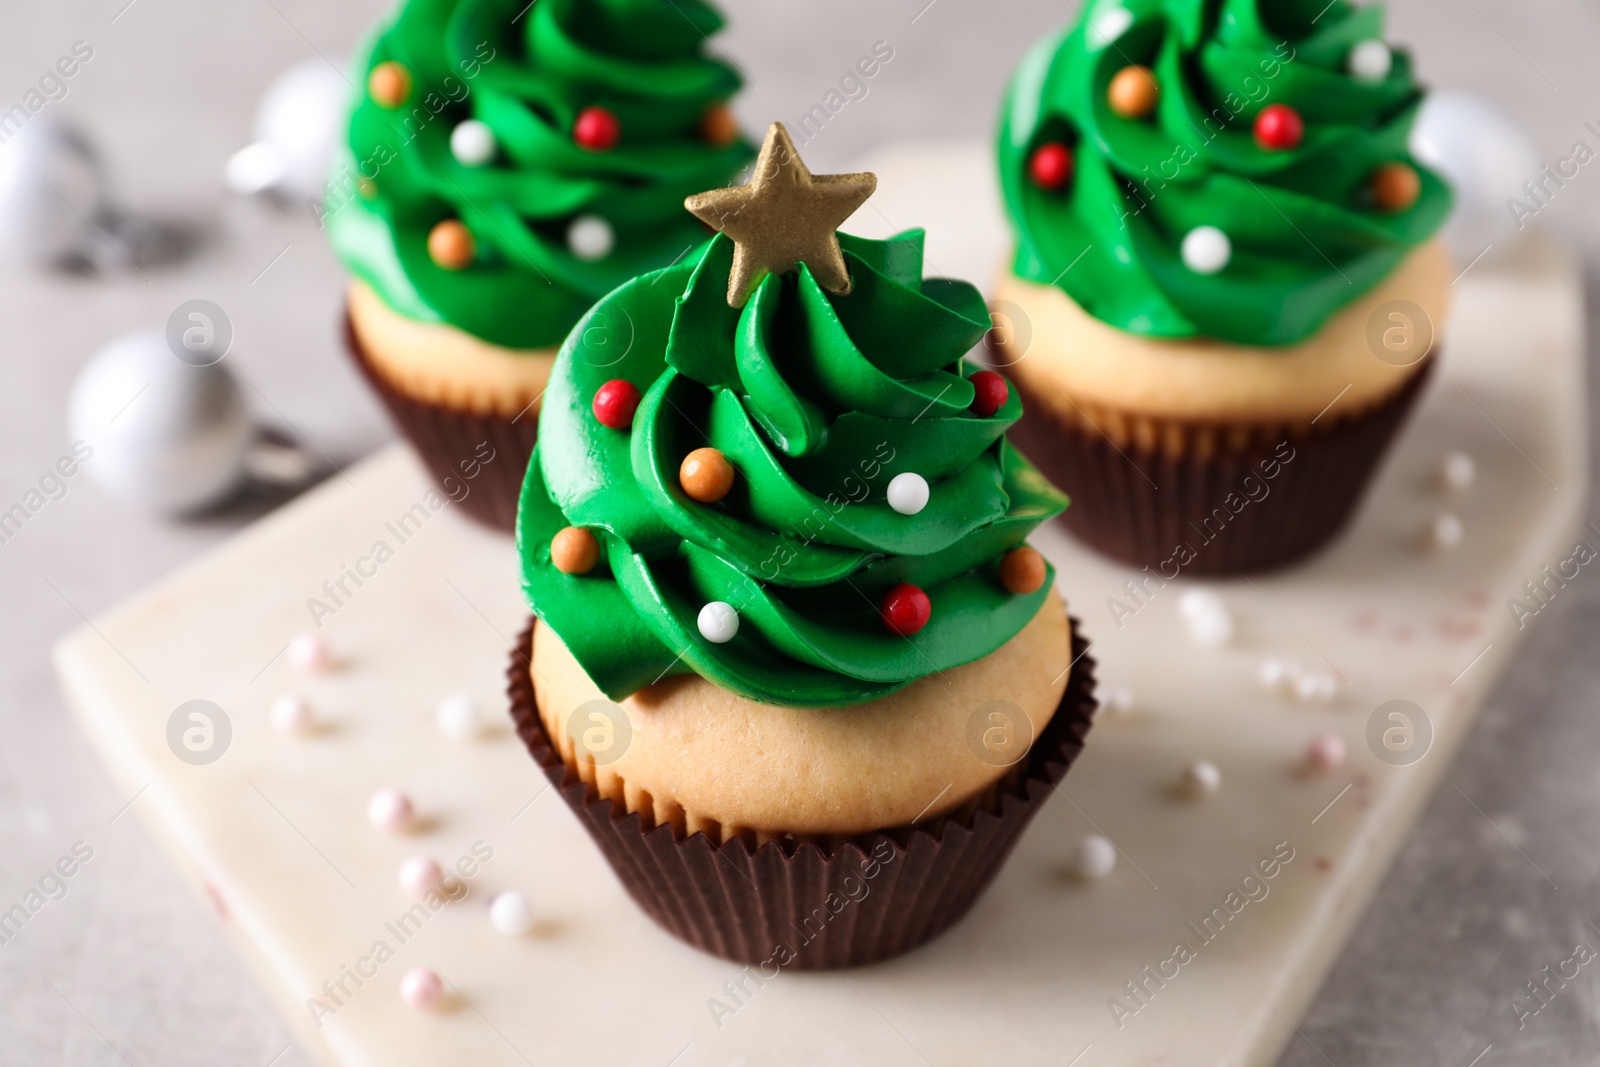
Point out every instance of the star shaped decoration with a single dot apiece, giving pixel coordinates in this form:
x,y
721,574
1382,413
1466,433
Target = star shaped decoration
x,y
784,217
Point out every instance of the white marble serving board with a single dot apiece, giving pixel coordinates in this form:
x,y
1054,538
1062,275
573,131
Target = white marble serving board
x,y
274,833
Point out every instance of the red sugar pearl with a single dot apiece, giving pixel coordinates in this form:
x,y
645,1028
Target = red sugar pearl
x,y
1051,166
990,393
596,129
1279,128
905,609
615,402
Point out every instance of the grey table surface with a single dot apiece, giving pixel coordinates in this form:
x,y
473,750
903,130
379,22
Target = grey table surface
x,y
128,969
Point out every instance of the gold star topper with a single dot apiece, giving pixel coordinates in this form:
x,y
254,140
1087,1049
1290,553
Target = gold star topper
x,y
784,217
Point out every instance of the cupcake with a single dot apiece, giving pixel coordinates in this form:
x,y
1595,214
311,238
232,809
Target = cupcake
x,y
793,665
507,165
1227,285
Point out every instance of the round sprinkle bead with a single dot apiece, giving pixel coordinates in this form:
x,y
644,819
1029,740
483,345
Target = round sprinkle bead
x,y
390,809
1133,92
706,475
615,402
422,988
1316,688
1457,471
1446,532
420,876
1118,700
1022,570
596,129
574,550
389,84
1200,779
308,654
450,245
1094,858
718,622
905,609
1194,603
989,393
718,126
908,493
511,914
590,238
291,714
1370,61
1396,187
472,143
459,717
1279,128
1051,166
1326,752
1206,250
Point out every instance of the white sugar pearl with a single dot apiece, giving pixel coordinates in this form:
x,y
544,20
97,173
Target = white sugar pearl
x,y
1316,688
1457,471
309,653
1371,61
472,143
1117,700
718,622
459,718
1445,532
1094,858
1109,25
908,493
291,714
390,809
1324,753
1206,250
1201,779
1276,675
1212,629
590,237
420,876
511,914
421,988
1194,603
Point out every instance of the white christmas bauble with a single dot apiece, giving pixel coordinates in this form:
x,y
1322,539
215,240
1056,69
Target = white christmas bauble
x,y
472,143
1485,156
511,914
50,187
590,237
719,622
300,119
1371,61
167,435
908,493
1206,250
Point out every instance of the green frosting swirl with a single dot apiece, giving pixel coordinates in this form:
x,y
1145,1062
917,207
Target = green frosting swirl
x,y
1307,237
527,71
818,400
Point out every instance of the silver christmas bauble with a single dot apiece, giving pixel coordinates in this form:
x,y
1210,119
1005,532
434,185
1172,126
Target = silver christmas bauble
x,y
50,187
1486,157
298,122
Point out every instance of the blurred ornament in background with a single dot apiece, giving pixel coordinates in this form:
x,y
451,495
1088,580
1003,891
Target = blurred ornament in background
x,y
299,121
168,435
1487,158
55,210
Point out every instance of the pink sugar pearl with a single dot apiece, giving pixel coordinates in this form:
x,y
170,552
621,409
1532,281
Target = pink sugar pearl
x,y
1324,753
390,809
420,876
308,653
421,988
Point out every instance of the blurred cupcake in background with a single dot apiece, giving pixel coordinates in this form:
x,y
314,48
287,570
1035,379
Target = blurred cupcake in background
x,y
507,165
1227,288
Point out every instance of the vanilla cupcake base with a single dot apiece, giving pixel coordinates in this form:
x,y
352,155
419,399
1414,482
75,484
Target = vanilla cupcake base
x,y
813,904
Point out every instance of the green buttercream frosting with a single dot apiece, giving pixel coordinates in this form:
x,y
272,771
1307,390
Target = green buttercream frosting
x,y
1307,238
527,71
818,400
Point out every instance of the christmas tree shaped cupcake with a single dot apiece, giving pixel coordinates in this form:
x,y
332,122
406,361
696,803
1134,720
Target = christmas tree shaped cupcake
x,y
794,665
1226,291
507,165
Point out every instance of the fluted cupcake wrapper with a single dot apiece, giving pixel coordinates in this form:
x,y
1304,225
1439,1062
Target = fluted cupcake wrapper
x,y
1144,506
453,445
797,904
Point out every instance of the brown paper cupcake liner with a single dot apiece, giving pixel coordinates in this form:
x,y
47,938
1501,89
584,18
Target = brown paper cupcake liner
x,y
453,445
1241,508
803,904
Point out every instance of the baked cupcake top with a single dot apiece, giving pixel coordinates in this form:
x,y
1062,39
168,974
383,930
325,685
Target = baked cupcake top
x,y
771,465
1235,169
510,163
